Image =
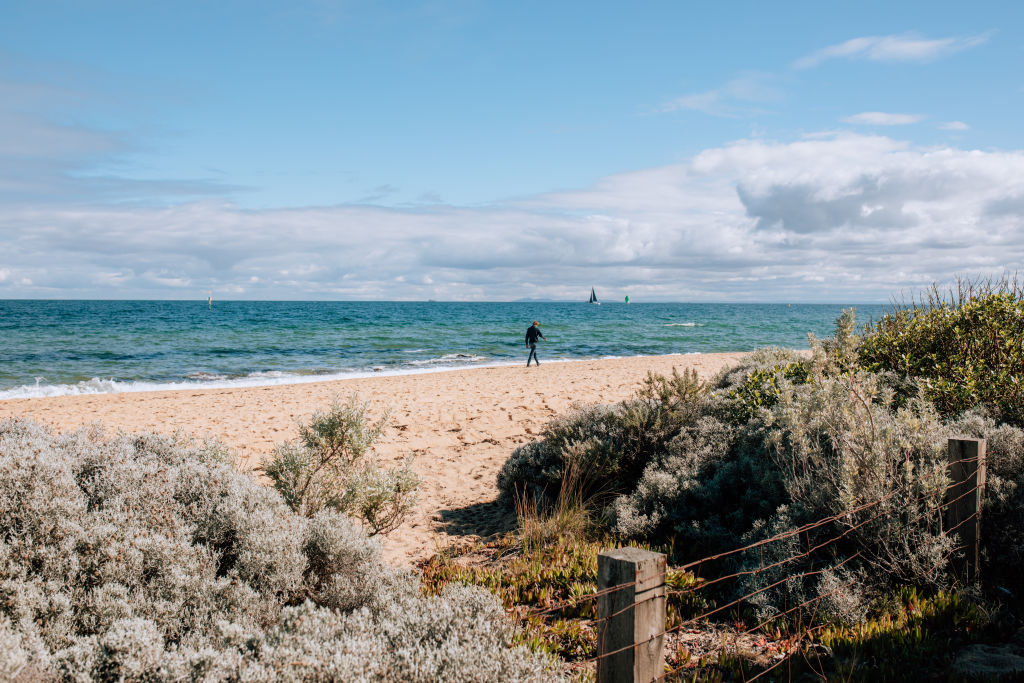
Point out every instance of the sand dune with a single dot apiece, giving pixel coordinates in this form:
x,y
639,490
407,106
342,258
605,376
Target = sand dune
x,y
459,426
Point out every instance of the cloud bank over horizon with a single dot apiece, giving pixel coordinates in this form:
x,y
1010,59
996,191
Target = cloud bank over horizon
x,y
837,217
810,152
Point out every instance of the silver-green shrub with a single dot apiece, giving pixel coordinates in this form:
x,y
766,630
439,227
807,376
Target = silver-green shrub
x,y
843,445
710,484
593,434
809,445
152,558
607,447
331,466
675,489
787,439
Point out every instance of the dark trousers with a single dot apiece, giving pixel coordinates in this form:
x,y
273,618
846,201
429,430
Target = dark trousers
x,y
532,356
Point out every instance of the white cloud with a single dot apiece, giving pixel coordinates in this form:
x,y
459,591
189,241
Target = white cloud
x,y
954,125
731,100
861,217
892,48
881,118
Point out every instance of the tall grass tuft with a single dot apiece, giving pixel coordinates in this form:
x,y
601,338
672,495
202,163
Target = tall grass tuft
x,y
541,523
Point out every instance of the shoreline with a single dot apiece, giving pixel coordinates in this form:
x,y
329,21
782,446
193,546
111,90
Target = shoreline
x,y
273,378
459,425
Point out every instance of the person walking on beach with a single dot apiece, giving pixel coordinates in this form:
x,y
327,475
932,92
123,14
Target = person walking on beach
x,y
532,332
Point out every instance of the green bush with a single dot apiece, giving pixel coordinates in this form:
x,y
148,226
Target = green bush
x,y
705,487
826,446
756,382
967,352
331,466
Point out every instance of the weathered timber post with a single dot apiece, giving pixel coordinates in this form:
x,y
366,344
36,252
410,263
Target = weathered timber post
x,y
966,469
632,619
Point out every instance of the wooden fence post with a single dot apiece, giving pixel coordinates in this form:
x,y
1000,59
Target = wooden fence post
x,y
967,469
632,618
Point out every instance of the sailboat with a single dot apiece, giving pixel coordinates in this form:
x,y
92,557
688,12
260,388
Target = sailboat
x,y
593,297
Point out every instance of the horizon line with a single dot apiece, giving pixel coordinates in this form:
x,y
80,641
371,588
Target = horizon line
x,y
464,301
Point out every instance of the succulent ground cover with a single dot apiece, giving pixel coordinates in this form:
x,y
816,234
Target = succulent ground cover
x,y
549,592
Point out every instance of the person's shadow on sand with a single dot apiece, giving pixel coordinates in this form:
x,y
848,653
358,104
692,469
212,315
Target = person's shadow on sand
x,y
479,519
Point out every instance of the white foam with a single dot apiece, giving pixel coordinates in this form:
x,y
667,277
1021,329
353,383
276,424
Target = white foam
x,y
683,325
206,376
450,358
98,385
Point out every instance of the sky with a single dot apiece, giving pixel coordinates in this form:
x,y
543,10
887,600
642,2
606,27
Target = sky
x,y
478,150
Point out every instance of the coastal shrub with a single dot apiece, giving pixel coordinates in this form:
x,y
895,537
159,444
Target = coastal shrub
x,y
848,452
805,446
734,376
706,486
609,446
152,558
702,494
331,466
966,346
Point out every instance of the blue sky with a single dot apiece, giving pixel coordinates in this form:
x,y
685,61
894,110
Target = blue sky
x,y
479,150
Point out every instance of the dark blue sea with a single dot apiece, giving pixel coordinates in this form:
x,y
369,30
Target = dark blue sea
x,y
52,348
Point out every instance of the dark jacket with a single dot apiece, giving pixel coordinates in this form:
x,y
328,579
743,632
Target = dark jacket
x,y
532,332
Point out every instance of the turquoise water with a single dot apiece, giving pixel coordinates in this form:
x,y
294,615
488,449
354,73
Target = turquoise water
x,y
67,347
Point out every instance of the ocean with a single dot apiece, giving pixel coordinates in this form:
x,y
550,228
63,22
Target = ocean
x,y
51,348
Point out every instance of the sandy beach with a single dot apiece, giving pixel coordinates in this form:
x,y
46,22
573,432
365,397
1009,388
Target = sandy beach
x,y
459,426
